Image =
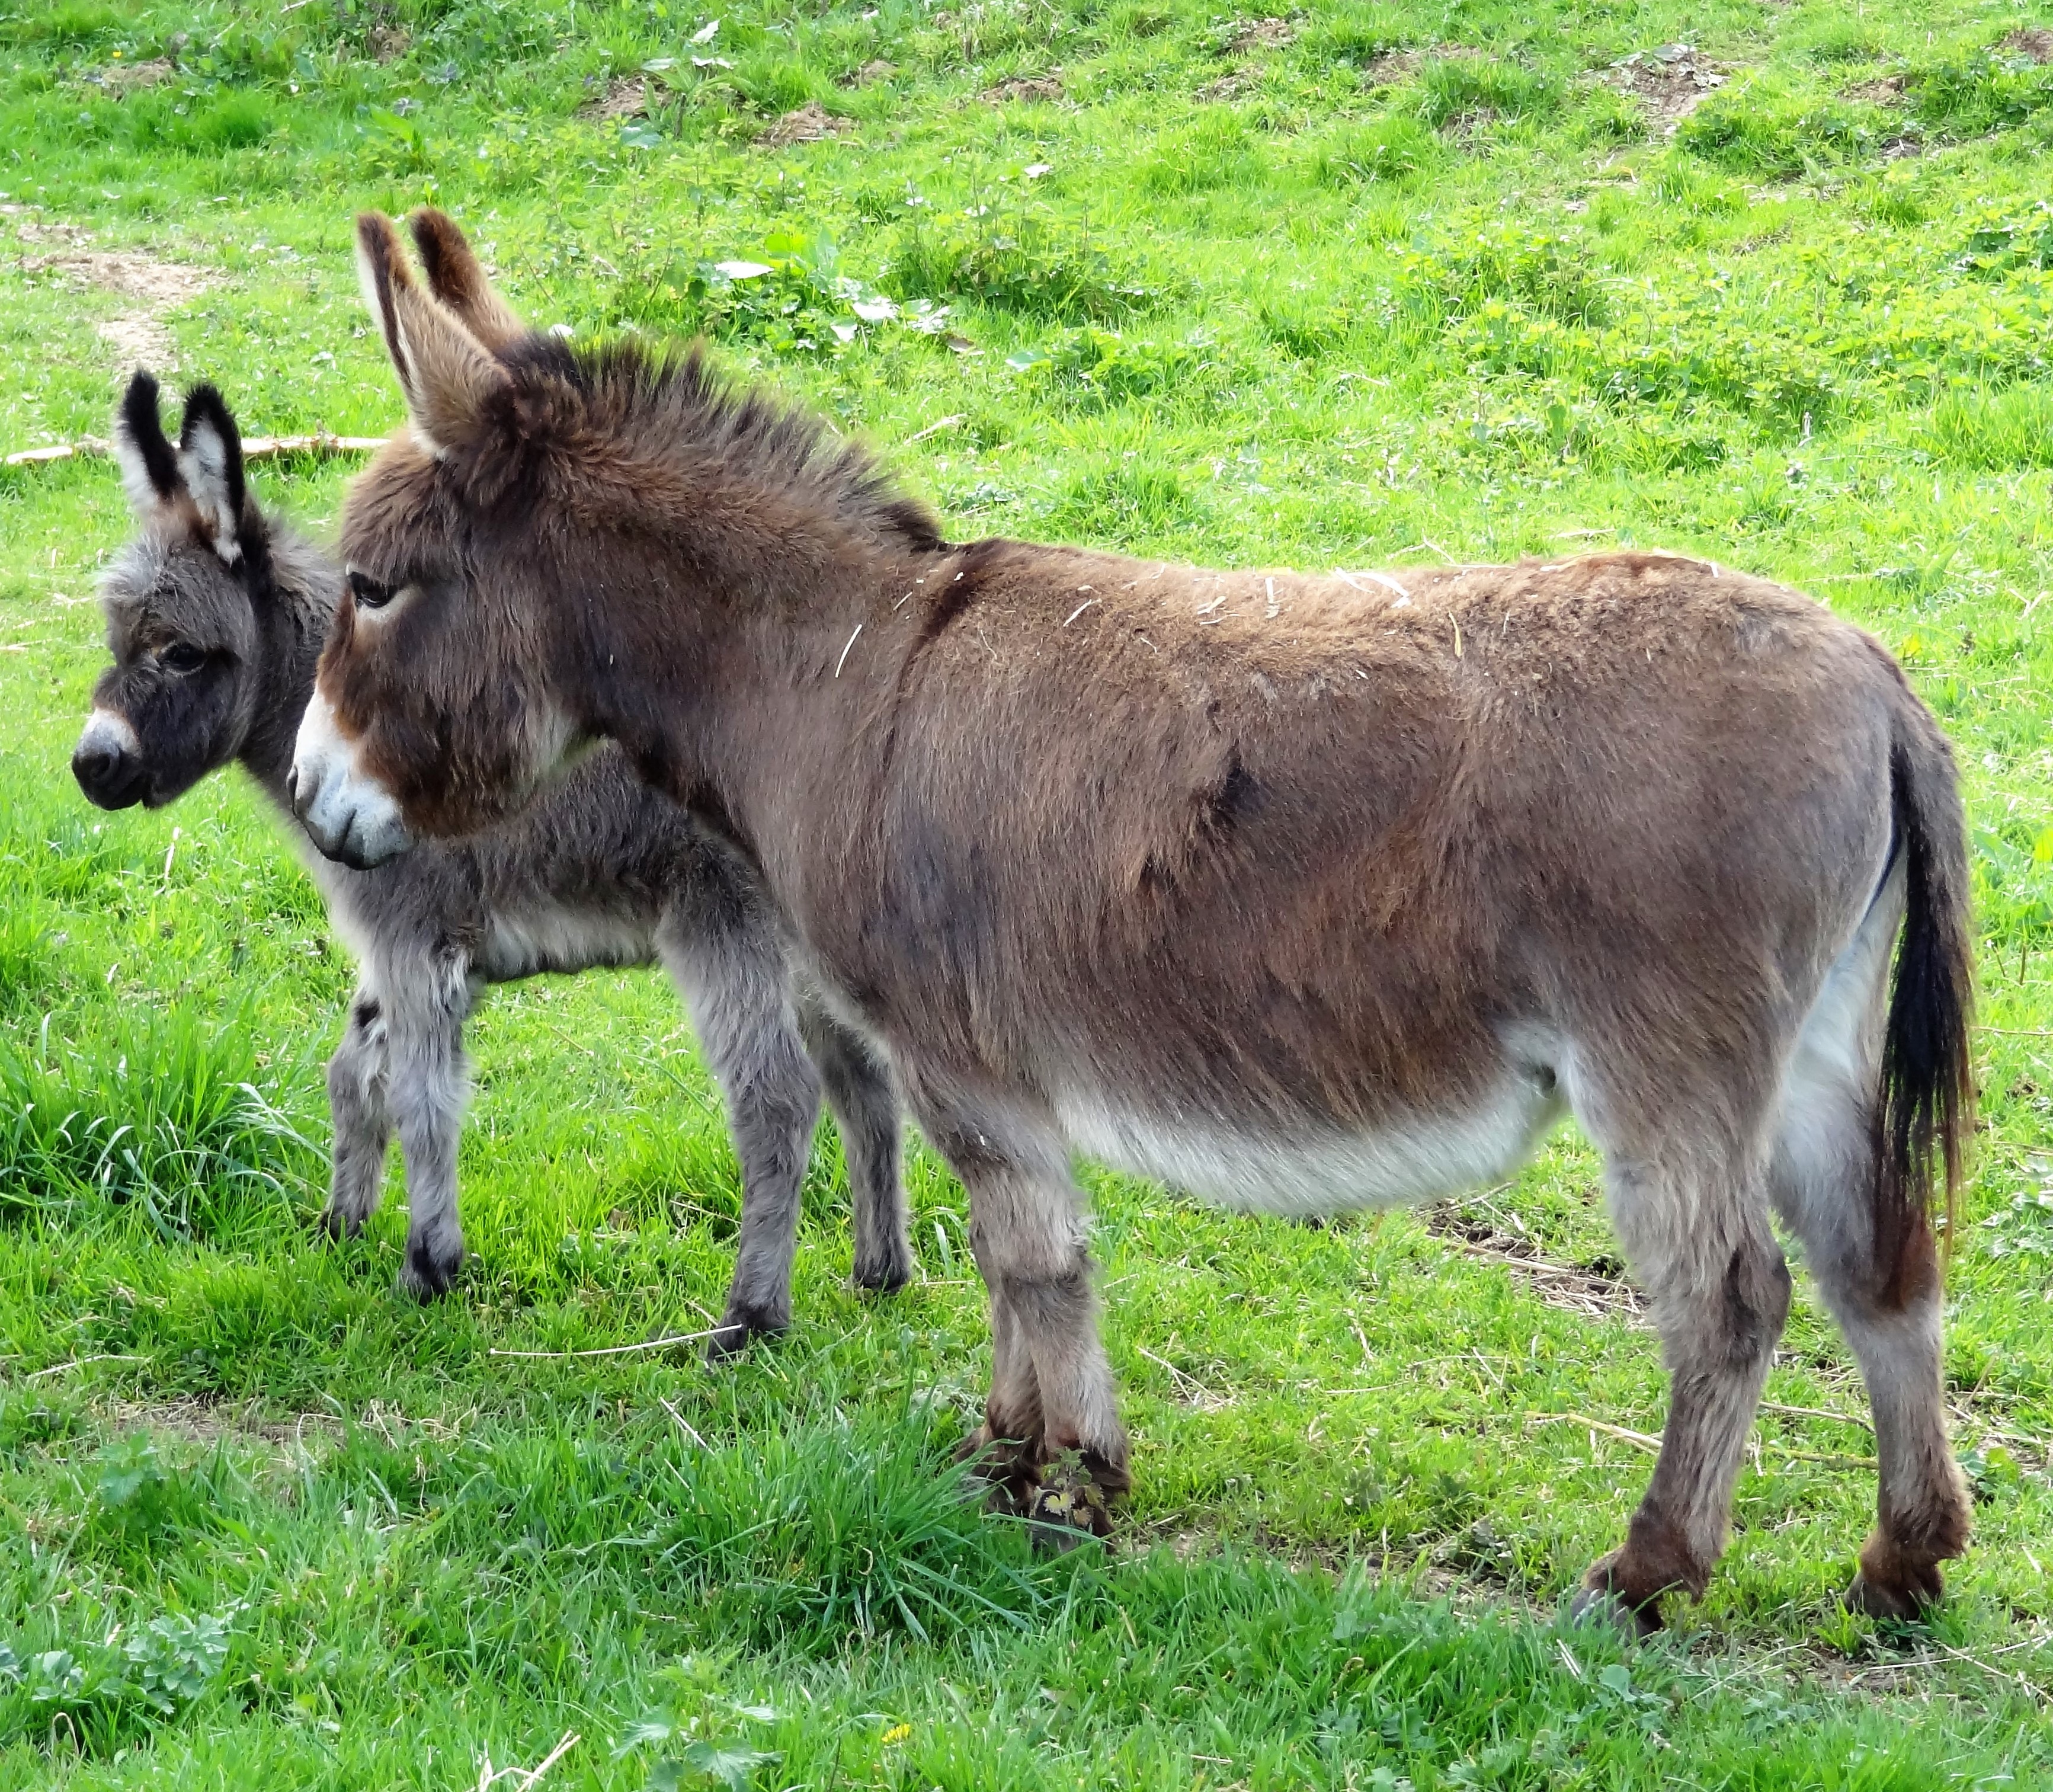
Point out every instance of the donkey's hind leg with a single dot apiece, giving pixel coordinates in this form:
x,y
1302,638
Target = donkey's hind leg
x,y
1695,1228
362,1121
1052,1438
725,958
1884,1293
864,1101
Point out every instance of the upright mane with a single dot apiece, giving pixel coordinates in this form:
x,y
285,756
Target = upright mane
x,y
659,394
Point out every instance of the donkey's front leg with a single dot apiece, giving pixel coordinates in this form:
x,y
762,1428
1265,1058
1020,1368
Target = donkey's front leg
x,y
1051,1440
725,958
864,1101
1721,1294
428,1084
356,1092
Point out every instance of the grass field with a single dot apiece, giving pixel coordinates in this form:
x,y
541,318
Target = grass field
x,y
1364,284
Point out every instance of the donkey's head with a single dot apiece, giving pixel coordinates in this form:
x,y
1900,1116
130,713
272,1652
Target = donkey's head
x,y
184,602
436,710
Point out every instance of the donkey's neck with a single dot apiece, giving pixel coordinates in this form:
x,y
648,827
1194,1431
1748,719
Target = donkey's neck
x,y
305,586
784,667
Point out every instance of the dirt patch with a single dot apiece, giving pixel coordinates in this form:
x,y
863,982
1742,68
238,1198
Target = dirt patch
x,y
1396,65
1228,87
121,77
1669,82
626,96
137,335
1469,123
1886,92
1047,88
1246,35
810,124
213,1421
869,73
1572,1287
2032,42
389,42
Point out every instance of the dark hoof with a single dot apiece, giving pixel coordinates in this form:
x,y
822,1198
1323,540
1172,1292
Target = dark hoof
x,y
428,1273
883,1279
1599,1608
1898,1583
1068,1506
739,1327
1900,1604
1601,1601
337,1227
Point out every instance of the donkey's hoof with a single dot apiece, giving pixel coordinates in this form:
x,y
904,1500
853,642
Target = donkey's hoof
x,y
428,1271
1600,1603
336,1226
1599,1608
886,1278
1069,1504
739,1326
1903,1603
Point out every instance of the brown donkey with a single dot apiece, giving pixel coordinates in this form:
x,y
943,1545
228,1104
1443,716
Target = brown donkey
x,y
1303,893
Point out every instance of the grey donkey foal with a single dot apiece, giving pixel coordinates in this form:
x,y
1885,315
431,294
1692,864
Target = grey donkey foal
x,y
216,615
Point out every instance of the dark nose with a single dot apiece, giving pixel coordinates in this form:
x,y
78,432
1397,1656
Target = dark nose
x,y
110,778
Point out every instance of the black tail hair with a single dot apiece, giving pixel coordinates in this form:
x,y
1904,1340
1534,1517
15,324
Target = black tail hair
x,y
1927,1101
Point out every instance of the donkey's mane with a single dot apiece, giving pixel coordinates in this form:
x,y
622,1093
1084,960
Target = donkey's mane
x,y
664,396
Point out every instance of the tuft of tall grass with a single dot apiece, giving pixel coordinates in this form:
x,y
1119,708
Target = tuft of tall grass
x,y
795,1535
163,1113
1998,430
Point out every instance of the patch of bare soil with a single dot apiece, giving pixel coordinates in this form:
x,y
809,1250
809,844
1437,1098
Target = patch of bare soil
x,y
210,1421
1670,83
810,124
121,77
1888,91
389,42
1396,65
1569,1286
1467,123
1246,35
1228,87
626,96
869,73
1048,89
2032,42
156,287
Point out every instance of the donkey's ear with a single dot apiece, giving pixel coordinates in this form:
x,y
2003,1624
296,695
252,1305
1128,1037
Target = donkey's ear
x,y
448,377
210,464
149,469
456,278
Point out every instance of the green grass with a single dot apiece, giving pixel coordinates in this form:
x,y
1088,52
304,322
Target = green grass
x,y
1415,280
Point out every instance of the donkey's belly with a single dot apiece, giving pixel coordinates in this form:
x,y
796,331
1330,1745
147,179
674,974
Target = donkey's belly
x,y
552,937
1322,1168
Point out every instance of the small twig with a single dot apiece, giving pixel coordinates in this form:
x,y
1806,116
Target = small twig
x,y
254,448
936,426
682,1424
1816,1412
610,1349
572,1739
80,1363
1638,1439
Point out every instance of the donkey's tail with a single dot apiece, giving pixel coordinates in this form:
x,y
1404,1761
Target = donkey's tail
x,y
1927,1098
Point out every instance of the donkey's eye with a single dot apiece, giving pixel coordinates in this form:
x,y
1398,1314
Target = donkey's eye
x,y
181,657
369,594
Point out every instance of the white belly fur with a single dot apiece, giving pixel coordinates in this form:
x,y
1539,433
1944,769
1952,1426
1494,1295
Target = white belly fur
x,y
1319,1170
